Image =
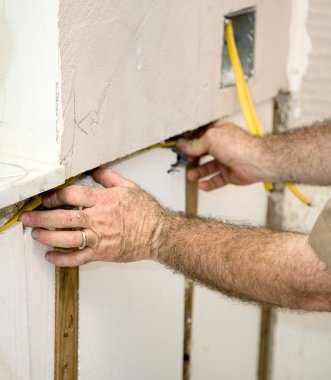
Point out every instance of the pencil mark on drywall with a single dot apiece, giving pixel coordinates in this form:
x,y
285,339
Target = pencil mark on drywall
x,y
78,124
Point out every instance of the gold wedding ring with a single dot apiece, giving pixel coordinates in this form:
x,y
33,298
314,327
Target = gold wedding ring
x,y
84,239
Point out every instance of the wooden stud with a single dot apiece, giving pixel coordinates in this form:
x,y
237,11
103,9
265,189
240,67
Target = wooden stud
x,y
191,209
66,324
274,220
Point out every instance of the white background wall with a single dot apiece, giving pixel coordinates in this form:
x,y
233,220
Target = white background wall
x,y
27,312
131,315
303,340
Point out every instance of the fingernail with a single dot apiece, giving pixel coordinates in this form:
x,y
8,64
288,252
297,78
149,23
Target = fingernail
x,y
47,257
46,202
24,219
35,234
182,143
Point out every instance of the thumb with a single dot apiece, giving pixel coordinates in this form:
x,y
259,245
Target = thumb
x,y
195,147
108,178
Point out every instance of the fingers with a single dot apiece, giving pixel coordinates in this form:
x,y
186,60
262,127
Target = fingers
x,y
195,147
56,219
204,170
73,196
109,178
212,183
65,239
72,259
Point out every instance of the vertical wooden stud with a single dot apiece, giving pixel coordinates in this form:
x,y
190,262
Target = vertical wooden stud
x,y
66,324
191,209
274,220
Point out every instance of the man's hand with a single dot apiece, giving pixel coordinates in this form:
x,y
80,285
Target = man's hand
x,y
296,156
237,156
122,222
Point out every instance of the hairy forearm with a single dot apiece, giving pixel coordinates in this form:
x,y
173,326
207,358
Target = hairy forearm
x,y
253,264
299,156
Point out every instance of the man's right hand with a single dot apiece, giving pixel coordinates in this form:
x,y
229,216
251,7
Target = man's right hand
x,y
237,157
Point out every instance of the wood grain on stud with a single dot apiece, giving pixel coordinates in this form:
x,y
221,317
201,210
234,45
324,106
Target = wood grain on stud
x,y
66,324
191,209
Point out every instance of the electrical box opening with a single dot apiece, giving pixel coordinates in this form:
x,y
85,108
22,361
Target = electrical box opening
x,y
244,33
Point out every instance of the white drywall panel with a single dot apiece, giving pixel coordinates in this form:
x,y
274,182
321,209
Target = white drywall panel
x,y
14,338
226,332
22,178
29,79
136,73
30,120
27,311
131,315
129,76
302,341
40,293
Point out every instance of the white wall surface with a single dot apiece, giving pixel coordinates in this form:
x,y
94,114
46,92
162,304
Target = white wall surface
x,y
27,308
134,73
30,131
28,79
131,315
226,332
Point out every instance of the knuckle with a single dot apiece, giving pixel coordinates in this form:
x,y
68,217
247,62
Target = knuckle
x,y
210,134
84,216
89,192
67,219
44,236
76,262
66,194
37,219
132,185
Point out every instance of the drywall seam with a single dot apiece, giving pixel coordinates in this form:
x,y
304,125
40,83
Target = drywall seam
x,y
300,49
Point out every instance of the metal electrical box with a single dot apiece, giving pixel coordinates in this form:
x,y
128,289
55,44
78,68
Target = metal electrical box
x,y
244,31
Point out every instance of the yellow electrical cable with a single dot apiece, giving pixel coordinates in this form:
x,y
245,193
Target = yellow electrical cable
x,y
245,100
169,144
36,202
241,90
247,105
294,189
28,207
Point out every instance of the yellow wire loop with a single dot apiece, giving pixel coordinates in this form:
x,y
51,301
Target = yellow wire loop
x,y
36,202
28,207
245,100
